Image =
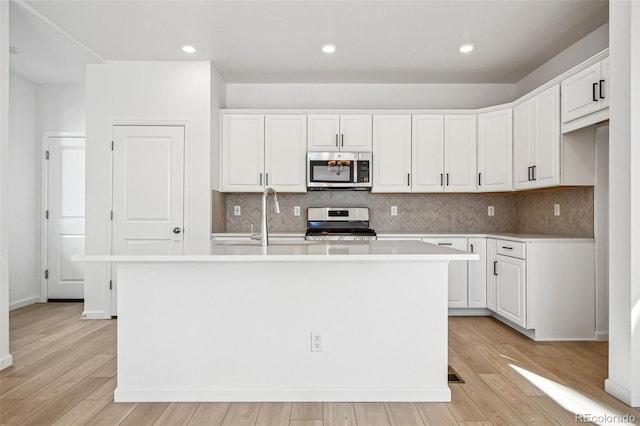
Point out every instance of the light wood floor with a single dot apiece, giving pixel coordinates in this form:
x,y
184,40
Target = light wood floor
x,y
64,374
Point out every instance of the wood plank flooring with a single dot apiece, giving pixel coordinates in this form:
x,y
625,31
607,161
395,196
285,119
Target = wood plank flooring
x,y
64,374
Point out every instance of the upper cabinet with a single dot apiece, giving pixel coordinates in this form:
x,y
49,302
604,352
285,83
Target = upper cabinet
x,y
460,153
494,151
328,132
586,92
427,144
263,151
391,153
536,143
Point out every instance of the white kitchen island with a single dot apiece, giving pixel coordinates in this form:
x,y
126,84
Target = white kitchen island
x,y
234,322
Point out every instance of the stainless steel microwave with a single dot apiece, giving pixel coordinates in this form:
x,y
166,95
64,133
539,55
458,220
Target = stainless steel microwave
x,y
339,170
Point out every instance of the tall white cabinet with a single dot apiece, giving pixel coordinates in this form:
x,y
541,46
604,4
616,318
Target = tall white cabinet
x,y
536,143
495,151
333,132
260,151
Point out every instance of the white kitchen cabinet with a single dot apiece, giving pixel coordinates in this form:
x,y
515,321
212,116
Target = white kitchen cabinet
x,y
477,274
260,151
458,293
460,153
427,153
444,153
544,287
242,164
586,92
536,144
492,273
391,153
333,132
495,151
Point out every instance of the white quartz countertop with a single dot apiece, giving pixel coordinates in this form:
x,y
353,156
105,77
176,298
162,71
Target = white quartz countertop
x,y
297,251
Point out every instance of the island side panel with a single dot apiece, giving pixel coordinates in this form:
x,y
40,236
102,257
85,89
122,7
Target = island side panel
x,y
241,331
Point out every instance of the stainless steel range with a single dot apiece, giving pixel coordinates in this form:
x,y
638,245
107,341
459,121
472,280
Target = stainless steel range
x,y
337,223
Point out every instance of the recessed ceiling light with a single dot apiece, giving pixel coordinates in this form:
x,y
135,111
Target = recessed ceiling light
x,y
466,48
188,48
329,48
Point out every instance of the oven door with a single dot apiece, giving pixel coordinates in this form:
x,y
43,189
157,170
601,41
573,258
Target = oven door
x,y
331,170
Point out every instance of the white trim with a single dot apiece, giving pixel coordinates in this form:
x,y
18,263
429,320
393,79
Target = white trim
x,y
44,206
587,120
6,361
620,392
602,336
95,315
469,312
24,302
427,394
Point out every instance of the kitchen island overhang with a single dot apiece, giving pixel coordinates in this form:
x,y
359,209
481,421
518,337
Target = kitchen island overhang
x,y
211,322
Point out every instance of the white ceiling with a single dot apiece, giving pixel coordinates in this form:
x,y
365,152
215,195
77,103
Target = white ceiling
x,y
383,41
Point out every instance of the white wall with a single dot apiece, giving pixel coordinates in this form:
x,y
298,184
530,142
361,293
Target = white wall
x,y
5,357
218,100
24,197
573,55
624,203
145,93
601,232
61,108
368,96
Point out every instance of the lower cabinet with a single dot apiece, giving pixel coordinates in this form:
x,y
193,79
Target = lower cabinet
x,y
477,274
511,289
543,288
458,294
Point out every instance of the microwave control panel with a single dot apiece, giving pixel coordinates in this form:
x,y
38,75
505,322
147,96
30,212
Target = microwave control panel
x,y
363,171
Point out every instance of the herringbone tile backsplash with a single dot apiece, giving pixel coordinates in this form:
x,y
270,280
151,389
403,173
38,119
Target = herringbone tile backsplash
x,y
514,212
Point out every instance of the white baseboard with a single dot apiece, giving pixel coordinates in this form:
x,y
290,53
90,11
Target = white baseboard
x,y
433,394
469,312
24,302
6,361
602,336
95,315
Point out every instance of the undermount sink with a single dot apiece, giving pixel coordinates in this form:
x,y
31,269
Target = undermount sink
x,y
271,243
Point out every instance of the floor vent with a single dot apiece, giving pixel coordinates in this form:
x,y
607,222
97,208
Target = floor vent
x,y
453,376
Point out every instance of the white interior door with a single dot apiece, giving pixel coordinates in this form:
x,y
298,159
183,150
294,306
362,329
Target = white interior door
x,y
65,211
148,186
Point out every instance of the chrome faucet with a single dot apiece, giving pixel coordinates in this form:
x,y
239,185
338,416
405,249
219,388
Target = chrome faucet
x,y
264,233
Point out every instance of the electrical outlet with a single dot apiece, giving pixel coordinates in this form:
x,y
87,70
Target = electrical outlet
x,y
491,211
317,342
556,209
237,211
296,210
394,210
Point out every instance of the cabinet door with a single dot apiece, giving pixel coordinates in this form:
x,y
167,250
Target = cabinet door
x,y
523,141
546,170
511,290
604,84
460,153
391,153
427,151
355,133
285,152
580,93
242,152
492,270
494,151
477,274
457,271
323,133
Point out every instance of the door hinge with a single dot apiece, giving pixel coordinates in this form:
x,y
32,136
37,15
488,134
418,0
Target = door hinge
x,y
110,285
46,214
111,215
46,274
111,145
46,155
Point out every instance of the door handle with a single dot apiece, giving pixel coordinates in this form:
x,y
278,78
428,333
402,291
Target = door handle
x,y
441,179
408,179
601,86
534,169
266,182
342,139
177,230
336,140
529,173
445,244
260,179
593,92
479,179
471,248
495,267
447,179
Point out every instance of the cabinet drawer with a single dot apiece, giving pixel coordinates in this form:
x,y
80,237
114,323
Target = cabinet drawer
x,y
454,243
511,248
